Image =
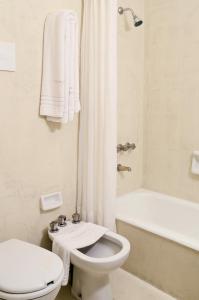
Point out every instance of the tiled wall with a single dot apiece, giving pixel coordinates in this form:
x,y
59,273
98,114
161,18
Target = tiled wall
x,y
130,95
38,157
35,157
172,96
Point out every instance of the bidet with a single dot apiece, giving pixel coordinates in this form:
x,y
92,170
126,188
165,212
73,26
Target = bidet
x,y
93,263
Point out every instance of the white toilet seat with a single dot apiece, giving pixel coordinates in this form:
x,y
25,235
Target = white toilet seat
x,y
34,295
28,271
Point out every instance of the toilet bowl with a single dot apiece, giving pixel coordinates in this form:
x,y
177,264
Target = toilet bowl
x,y
92,265
28,272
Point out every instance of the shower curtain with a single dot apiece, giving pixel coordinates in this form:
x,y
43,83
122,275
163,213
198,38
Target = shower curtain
x,y
97,138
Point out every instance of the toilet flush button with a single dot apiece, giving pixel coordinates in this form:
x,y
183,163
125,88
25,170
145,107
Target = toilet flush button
x,y
51,201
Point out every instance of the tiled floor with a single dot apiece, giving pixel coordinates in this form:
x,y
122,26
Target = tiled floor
x,y
126,287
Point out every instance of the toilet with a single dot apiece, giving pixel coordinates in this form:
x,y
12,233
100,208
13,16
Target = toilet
x,y
92,265
28,272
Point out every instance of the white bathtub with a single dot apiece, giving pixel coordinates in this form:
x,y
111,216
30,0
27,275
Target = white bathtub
x,y
164,235
166,216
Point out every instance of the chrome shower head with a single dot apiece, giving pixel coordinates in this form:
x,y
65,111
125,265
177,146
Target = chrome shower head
x,y
137,21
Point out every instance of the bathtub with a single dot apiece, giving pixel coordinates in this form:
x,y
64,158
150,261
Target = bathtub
x,y
164,236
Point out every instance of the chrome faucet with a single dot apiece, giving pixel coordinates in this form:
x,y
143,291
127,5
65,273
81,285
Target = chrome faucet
x,y
121,168
76,218
62,221
125,147
54,226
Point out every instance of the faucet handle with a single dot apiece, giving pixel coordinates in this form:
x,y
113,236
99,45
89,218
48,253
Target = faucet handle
x,y
62,221
131,146
76,218
125,147
120,148
54,226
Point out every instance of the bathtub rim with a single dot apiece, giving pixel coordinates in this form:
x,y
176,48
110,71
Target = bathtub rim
x,y
155,228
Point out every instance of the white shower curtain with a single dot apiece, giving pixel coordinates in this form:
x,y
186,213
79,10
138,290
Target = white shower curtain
x,y
97,141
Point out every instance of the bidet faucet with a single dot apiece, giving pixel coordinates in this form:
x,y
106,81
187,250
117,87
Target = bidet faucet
x,y
62,221
76,218
54,226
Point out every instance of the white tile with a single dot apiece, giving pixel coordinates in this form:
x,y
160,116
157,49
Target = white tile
x,y
126,286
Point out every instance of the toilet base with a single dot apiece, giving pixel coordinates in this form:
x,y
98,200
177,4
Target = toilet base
x,y
91,286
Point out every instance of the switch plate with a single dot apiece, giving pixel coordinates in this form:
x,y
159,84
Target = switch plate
x,y
7,57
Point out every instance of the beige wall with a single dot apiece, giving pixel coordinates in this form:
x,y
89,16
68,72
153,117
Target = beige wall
x,y
35,158
130,95
172,96
38,158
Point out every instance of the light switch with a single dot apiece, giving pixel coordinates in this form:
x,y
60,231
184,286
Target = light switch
x,y
7,57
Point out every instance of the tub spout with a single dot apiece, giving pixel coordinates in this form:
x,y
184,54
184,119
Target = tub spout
x,y
121,168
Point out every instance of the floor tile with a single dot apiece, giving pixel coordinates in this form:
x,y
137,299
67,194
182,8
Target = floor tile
x,y
125,286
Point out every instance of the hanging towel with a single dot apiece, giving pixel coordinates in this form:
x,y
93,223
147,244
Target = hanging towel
x,y
60,79
75,236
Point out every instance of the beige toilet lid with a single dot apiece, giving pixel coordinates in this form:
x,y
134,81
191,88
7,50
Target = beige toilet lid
x,y
26,268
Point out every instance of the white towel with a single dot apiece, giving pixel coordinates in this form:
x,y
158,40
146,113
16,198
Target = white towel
x,y
76,236
60,79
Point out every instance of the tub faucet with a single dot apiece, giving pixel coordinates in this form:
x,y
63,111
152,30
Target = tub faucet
x,y
125,147
121,168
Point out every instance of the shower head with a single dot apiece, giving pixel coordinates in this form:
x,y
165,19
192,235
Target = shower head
x,y
137,21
